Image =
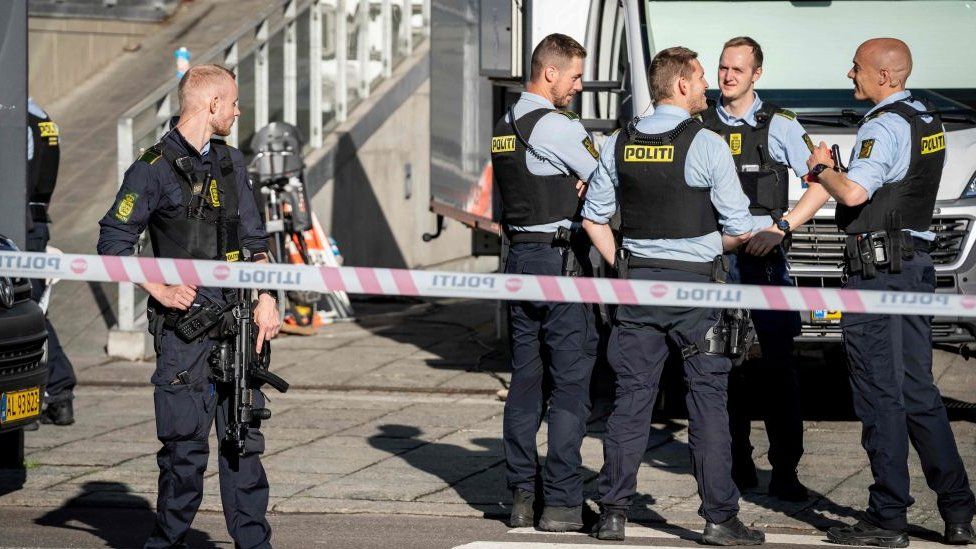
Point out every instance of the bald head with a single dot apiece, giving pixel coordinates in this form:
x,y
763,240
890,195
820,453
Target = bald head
x,y
881,67
200,84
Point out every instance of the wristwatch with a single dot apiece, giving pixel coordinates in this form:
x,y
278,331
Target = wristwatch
x,y
783,224
819,168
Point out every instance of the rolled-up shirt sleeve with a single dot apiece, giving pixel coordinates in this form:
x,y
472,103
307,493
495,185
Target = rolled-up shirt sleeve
x,y
709,164
601,196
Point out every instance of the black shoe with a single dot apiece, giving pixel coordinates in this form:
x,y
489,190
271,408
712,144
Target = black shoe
x,y
611,526
788,487
732,532
744,475
58,413
523,509
959,533
561,519
865,533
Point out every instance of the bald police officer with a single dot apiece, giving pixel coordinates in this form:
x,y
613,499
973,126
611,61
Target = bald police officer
x,y
884,205
542,157
681,206
193,194
765,141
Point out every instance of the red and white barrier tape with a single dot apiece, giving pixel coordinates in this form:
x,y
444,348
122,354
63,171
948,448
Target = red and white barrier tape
x,y
363,280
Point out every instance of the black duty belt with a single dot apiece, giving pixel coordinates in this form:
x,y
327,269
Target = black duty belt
x,y
688,266
868,252
519,237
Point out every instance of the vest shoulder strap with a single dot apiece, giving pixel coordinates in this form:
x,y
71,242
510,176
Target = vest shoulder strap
x,y
901,108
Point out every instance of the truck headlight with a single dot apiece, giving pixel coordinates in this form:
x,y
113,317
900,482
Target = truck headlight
x,y
970,190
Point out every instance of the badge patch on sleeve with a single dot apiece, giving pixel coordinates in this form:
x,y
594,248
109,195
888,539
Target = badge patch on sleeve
x,y
809,142
590,148
735,143
866,146
128,203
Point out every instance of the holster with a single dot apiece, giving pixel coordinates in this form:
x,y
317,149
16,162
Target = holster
x,y
731,336
571,244
622,263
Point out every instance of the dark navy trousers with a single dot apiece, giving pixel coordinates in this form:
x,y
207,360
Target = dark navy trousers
x,y
781,407
640,341
185,414
553,348
895,397
61,374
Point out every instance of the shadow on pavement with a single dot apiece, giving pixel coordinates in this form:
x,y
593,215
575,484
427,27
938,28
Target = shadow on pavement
x,y
440,459
121,518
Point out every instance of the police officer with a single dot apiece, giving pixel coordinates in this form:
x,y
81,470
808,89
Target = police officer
x,y
681,206
193,194
884,205
541,157
43,157
765,140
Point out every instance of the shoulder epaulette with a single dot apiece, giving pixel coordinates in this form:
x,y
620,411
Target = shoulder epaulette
x,y
569,114
787,114
151,156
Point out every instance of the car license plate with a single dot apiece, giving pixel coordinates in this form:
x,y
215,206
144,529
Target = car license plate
x,y
20,405
825,317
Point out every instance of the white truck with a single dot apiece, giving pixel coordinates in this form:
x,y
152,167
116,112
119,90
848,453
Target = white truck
x,y
808,49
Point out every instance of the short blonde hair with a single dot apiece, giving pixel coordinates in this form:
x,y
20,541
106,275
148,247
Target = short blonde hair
x,y
201,76
666,67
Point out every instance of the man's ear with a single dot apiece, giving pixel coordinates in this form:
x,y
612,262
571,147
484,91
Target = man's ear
x,y
550,73
683,86
213,105
756,74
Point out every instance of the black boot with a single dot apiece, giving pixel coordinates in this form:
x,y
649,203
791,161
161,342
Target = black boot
x,y
787,487
865,533
732,532
611,525
523,509
959,533
58,413
561,519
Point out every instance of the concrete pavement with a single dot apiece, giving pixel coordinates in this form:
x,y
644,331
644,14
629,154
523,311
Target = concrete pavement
x,y
396,414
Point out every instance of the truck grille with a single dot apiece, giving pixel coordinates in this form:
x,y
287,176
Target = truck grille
x,y
21,356
820,243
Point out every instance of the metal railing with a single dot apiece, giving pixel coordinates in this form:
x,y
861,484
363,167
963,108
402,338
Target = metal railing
x,y
305,62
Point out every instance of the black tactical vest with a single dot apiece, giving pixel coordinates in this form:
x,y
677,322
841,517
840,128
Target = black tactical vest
x,y
655,201
42,170
528,199
764,181
908,203
207,224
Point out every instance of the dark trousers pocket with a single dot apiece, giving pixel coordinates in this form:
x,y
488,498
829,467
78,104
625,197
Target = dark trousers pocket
x,y
180,413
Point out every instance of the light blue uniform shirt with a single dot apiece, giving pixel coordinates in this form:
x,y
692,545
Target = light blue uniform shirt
x,y
708,164
890,154
560,142
786,143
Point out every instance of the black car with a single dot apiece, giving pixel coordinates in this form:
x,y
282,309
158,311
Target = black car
x,y
23,373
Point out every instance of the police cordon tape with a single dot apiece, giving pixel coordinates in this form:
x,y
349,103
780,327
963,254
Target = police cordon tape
x,y
514,287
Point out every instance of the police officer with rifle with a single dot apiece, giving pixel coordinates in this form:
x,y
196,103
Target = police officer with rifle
x,y
681,206
192,193
884,206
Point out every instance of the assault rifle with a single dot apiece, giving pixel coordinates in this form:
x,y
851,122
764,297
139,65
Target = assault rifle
x,y
235,362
